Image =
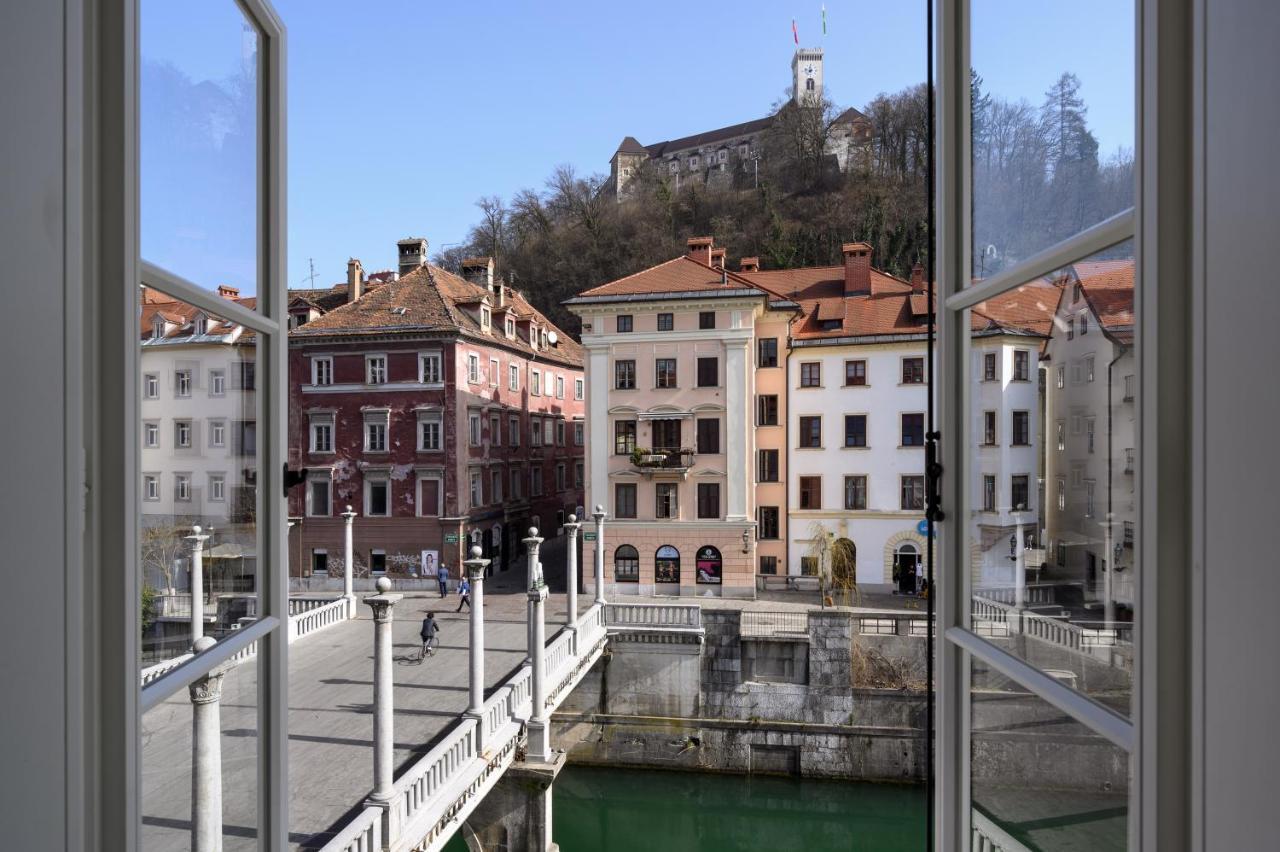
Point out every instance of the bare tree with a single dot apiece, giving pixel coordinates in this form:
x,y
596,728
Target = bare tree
x,y
837,565
161,547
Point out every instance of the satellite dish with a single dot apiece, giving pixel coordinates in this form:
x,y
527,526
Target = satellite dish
x,y
552,338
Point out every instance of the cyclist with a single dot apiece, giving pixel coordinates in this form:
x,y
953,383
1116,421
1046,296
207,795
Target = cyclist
x,y
428,633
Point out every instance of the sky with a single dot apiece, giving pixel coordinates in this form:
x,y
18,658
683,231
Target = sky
x,y
401,114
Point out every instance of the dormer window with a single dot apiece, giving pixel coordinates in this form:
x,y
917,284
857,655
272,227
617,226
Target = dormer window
x,y
157,329
542,339
693,161
201,325
533,336
486,318
511,328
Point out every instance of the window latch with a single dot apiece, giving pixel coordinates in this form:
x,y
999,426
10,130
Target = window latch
x,y
292,478
933,478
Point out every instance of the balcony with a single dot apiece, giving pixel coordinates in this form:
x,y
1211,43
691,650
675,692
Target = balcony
x,y
662,460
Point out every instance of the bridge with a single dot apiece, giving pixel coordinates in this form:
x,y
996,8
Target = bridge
x,y
385,751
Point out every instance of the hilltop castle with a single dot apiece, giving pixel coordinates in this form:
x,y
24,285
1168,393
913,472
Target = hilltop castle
x,y
729,155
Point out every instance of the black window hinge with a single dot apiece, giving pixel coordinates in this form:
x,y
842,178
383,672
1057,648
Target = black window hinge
x,y
933,478
292,478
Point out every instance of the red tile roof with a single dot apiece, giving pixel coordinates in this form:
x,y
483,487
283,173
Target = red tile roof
x,y
182,316
679,275
1108,287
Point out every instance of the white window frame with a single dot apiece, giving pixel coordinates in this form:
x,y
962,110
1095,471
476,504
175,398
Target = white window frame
x,y
183,434
535,382
579,389
475,435
217,488
371,479
313,478
151,487
151,434
321,370
559,387
475,489
425,419
317,422
182,383
217,382
182,487
431,367
375,369
495,372
151,386
438,480
495,429
372,420
516,492
579,433
473,368
513,430
496,477
513,377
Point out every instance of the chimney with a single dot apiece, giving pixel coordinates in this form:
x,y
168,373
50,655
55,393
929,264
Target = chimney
x,y
412,254
857,269
917,277
355,280
717,258
228,292
749,264
478,270
700,249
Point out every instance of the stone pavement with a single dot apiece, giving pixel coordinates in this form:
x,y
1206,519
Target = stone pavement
x,y
331,718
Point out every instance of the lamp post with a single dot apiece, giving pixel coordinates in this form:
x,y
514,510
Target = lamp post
x,y
598,514
348,570
197,539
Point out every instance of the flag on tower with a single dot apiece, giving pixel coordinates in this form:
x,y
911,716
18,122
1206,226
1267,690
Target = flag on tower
x,y
795,33
824,18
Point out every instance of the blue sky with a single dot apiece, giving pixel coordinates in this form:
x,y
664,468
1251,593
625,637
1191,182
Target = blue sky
x,y
402,114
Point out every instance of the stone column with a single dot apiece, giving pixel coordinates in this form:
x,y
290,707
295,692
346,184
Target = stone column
x,y
197,539
383,695
206,755
539,748
571,528
475,706
738,431
348,563
1019,566
598,514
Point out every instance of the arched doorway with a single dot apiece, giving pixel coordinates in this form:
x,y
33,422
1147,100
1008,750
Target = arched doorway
x,y
709,565
906,568
626,564
666,566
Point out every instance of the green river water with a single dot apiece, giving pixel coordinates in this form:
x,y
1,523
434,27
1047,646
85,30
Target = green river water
x,y
632,810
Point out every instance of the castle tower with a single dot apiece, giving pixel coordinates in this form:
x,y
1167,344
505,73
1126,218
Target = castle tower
x,y
806,75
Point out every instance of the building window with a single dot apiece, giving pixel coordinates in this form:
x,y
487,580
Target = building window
x,y
495,430
811,492
151,486
767,352
319,489
913,430
770,527
517,484
1061,375
495,372
486,318
217,433
1019,492
375,436
667,506
708,372
579,389
913,371
535,383
510,328
706,319
1088,368
624,500
218,487
513,377
182,487
855,430
579,474
535,431
708,435
322,434
1128,388
708,500
708,566
1088,430
559,433
246,373
855,493
855,373
1062,494
808,566
151,386
1084,324
182,383
495,486
810,432
666,434
912,493
377,497
767,410
548,433
513,430
1088,498
579,433
319,561
624,323
151,435
768,565
377,561
217,382
476,482
626,565
767,465
559,387
624,375
666,322
182,434
429,433
989,428
988,493
664,373
375,369
473,430
473,368
1061,428
811,374
989,373
1021,428
429,497
1021,365
322,371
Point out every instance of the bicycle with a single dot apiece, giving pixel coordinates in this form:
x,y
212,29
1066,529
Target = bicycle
x,y
428,649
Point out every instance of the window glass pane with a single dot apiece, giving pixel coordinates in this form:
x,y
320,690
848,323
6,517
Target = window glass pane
x,y
199,142
1055,501
1041,779
223,713
200,471
1053,131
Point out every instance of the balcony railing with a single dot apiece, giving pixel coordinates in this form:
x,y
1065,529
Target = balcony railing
x,y
663,458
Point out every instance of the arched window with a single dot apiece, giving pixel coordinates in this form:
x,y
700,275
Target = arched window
x,y
667,567
808,85
709,565
626,564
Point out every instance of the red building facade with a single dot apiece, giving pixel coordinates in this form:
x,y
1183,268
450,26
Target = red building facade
x,y
445,411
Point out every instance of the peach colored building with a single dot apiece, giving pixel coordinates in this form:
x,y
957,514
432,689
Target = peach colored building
x,y
671,371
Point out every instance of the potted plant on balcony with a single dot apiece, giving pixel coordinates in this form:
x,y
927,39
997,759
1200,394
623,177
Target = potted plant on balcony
x,y
642,457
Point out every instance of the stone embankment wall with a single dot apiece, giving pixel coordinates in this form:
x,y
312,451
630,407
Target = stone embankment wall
x,y
787,704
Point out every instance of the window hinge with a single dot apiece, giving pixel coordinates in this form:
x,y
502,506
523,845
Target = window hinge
x,y
292,478
933,478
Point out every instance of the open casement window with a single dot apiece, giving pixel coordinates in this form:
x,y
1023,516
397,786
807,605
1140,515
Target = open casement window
x,y
1035,647
231,528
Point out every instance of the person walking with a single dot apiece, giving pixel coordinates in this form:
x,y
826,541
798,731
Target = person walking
x,y
428,633
464,592
442,574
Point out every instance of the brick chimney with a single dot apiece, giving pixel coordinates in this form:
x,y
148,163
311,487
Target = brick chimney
x,y
717,258
478,270
749,264
700,249
355,280
411,253
226,291
917,277
857,269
